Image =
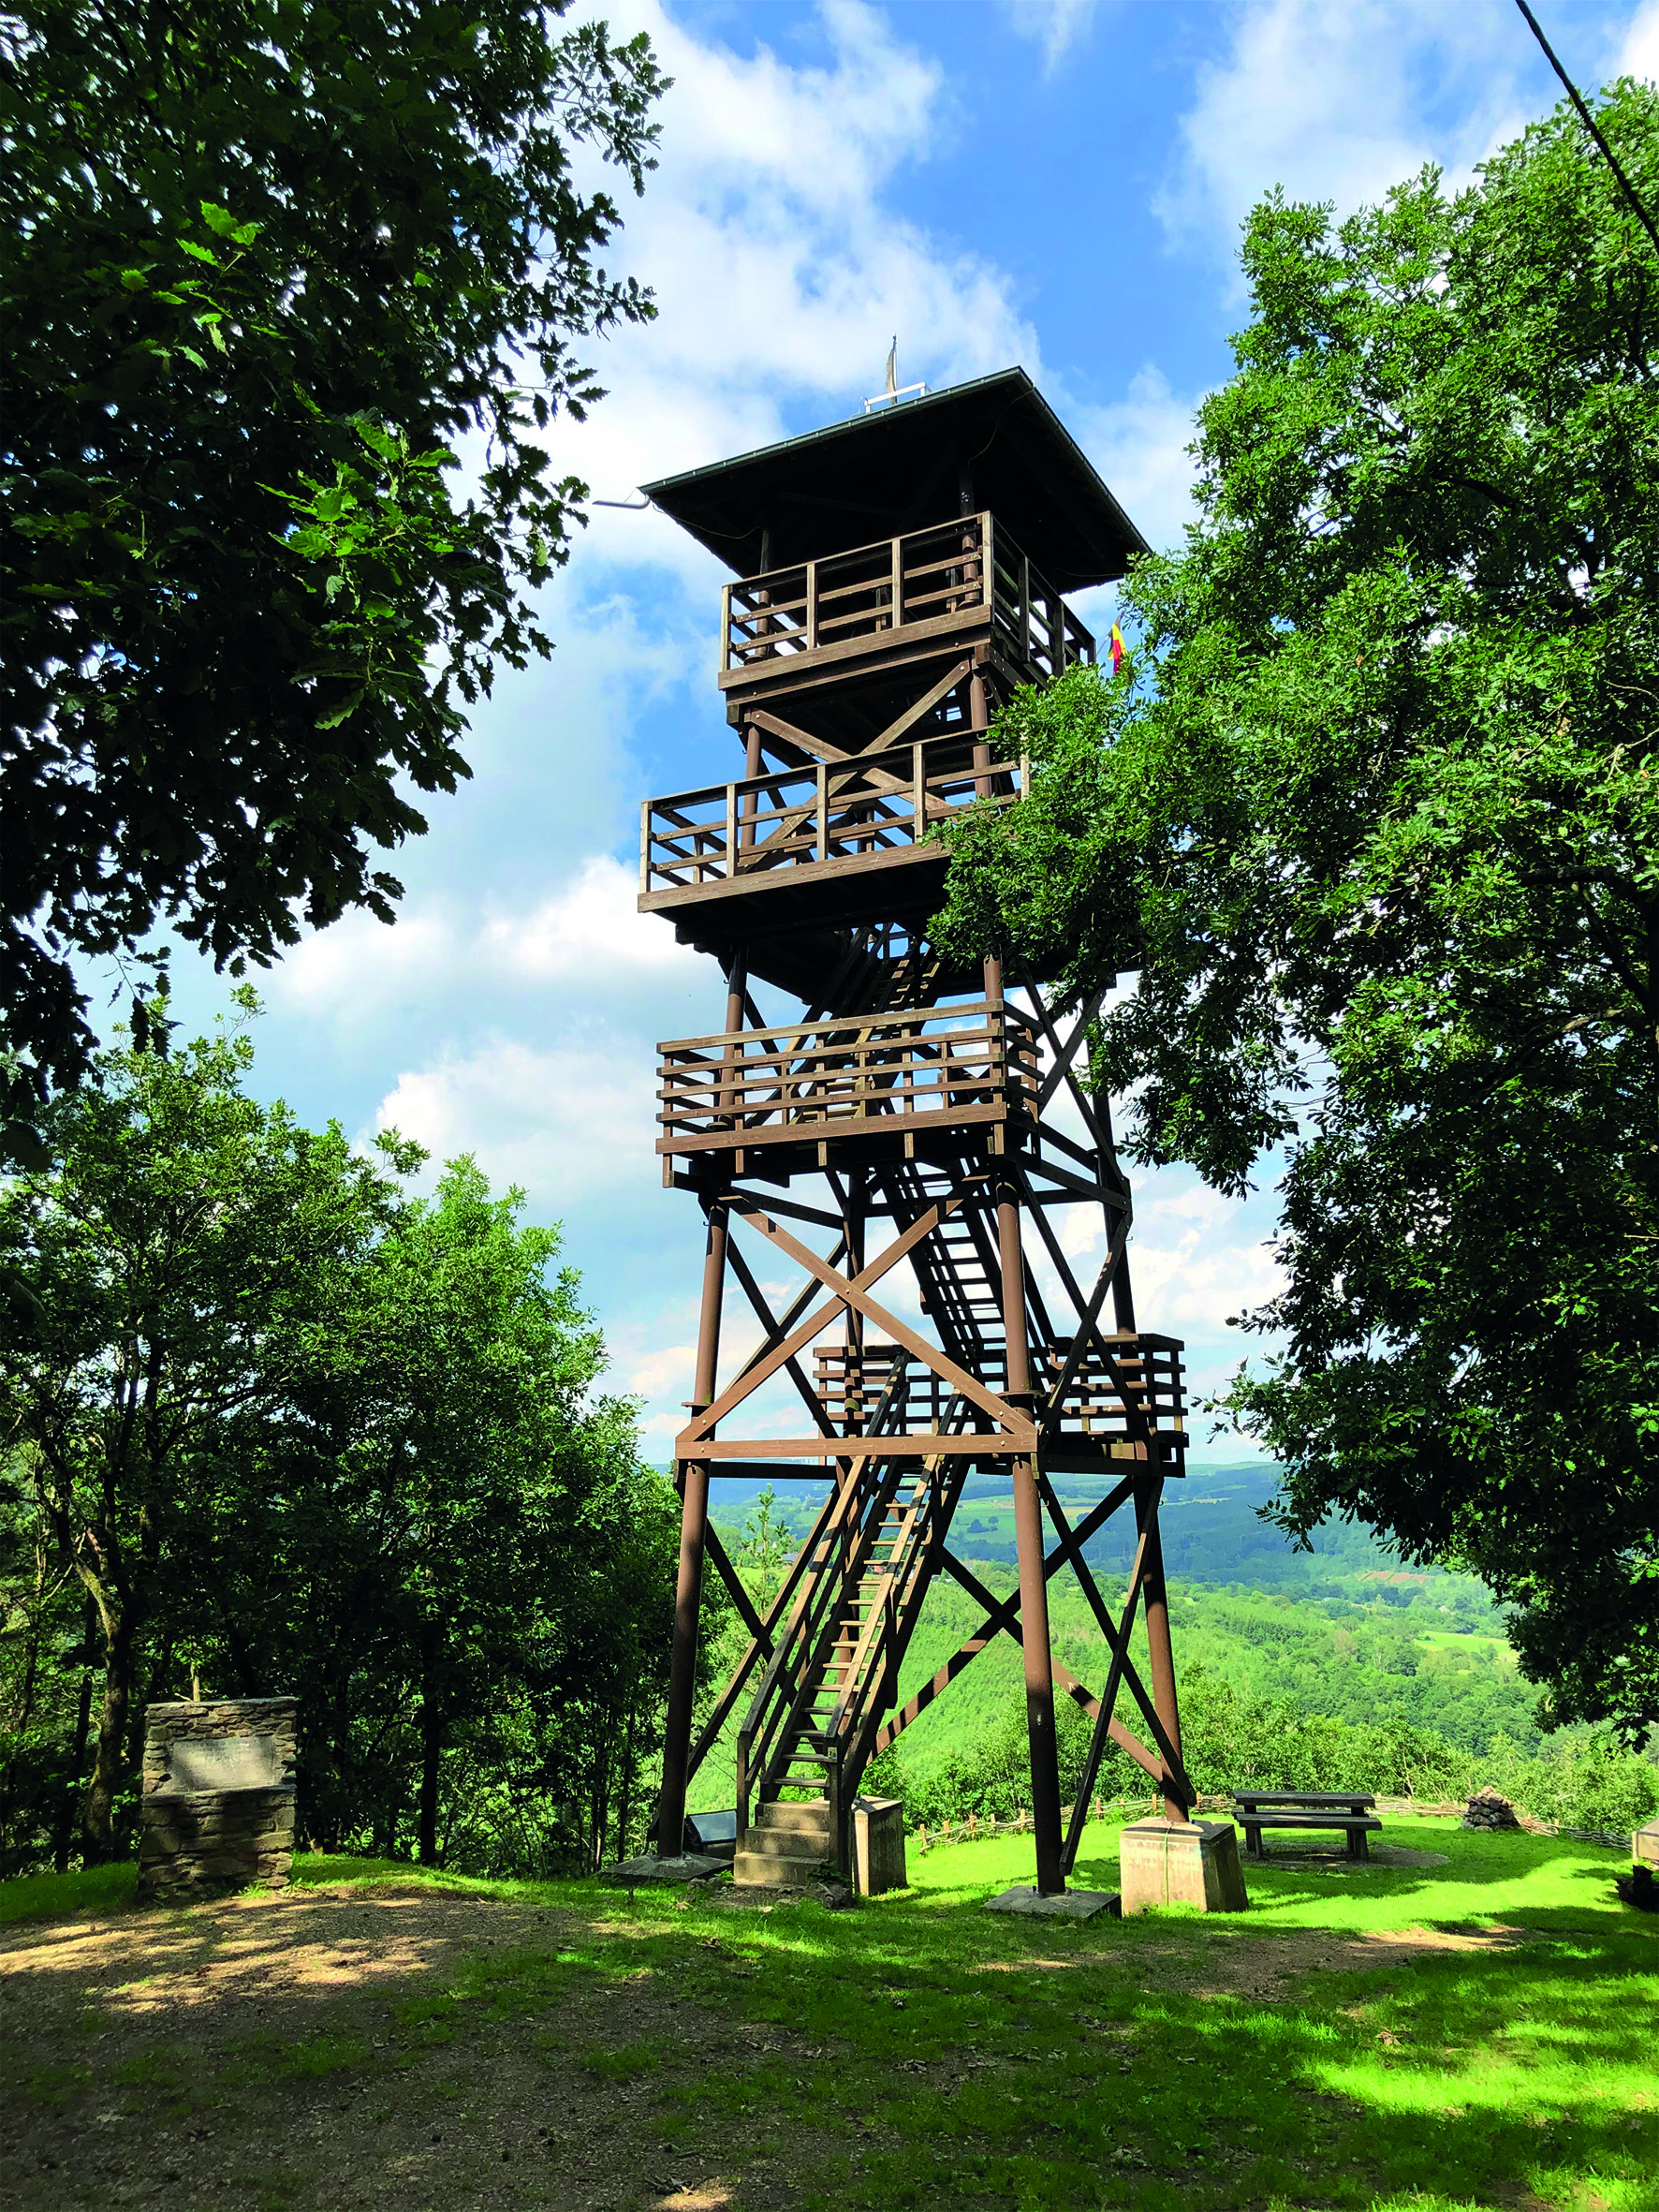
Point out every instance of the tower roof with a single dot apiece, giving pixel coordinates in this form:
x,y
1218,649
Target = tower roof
x,y
878,476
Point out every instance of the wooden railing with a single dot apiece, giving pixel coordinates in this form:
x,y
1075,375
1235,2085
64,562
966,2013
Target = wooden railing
x,y
925,577
879,803
837,1076
1147,1376
848,1630
1148,1383
783,1699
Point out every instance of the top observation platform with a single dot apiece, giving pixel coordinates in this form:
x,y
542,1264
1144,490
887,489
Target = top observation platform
x,y
898,578
994,443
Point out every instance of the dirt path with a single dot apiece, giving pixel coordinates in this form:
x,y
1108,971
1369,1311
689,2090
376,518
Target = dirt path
x,y
362,2050
214,2058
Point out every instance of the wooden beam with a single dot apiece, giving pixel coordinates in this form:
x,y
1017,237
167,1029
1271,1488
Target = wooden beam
x,y
739,1596
767,1364
908,719
764,1315
1020,1431
999,1611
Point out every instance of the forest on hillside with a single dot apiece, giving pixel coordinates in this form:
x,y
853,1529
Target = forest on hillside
x,y
1336,1667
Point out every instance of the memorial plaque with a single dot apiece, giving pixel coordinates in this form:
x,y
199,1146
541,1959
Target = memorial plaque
x,y
224,1763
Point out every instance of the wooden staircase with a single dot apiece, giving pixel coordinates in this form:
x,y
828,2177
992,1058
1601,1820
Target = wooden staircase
x,y
811,1728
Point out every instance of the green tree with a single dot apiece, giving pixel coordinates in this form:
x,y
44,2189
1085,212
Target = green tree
x,y
176,1273
472,1418
764,1548
265,265
286,1429
1375,814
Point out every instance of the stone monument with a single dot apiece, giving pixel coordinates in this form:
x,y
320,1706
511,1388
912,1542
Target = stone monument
x,y
217,1808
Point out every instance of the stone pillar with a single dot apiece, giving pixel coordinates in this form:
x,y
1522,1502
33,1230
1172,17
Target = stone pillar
x,y
217,1808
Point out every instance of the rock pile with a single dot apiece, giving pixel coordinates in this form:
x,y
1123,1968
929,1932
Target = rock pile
x,y
1487,1809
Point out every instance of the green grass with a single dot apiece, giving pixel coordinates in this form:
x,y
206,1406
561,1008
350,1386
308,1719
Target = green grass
x,y
91,1894
1042,2064
919,2051
1514,1879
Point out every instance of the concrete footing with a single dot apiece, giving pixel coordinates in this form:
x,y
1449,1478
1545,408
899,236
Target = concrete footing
x,y
1182,1863
1059,1905
878,1845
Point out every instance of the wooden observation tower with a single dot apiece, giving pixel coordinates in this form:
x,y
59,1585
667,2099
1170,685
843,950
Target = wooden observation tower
x,y
899,577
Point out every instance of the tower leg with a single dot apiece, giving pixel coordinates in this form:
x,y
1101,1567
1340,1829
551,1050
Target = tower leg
x,y
688,1594
1034,1584
1156,1599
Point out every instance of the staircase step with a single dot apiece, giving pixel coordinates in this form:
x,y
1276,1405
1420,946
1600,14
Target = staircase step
x,y
770,1870
776,1813
785,1843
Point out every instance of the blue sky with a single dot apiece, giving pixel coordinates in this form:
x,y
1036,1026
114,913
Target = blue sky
x,y
1053,183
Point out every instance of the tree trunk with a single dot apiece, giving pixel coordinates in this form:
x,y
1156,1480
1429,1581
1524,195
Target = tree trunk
x,y
626,1806
25,1706
109,1766
432,1745
60,1857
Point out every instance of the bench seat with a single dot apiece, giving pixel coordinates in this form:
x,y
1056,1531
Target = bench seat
x,y
1354,1828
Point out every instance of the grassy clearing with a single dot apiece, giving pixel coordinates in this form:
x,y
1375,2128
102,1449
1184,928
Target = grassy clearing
x,y
1450,2037
98,1891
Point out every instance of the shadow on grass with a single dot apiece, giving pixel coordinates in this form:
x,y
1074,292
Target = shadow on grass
x,y
920,2050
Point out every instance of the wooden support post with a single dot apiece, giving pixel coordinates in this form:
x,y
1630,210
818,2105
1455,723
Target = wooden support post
x,y
1034,1587
1157,1635
751,807
730,1095
854,1233
694,1523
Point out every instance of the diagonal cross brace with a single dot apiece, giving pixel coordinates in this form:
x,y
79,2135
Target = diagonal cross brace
x,y
1019,1433
1140,1427
766,1363
1117,1640
998,1613
774,1333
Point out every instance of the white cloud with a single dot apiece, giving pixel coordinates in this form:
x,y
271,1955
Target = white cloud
x,y
1052,24
781,265
1197,1258
1339,99
1138,443
1639,55
590,932
567,1123
586,933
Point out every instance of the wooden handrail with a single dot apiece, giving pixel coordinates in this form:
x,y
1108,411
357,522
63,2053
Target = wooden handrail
x,y
868,590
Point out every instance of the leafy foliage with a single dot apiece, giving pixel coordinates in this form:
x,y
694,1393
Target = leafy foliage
x,y
290,1430
266,267
1234,1740
1373,812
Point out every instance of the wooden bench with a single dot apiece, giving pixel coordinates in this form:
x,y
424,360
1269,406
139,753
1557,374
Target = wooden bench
x,y
1347,1811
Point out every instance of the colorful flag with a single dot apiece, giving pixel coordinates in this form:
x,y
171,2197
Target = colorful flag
x,y
1120,652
